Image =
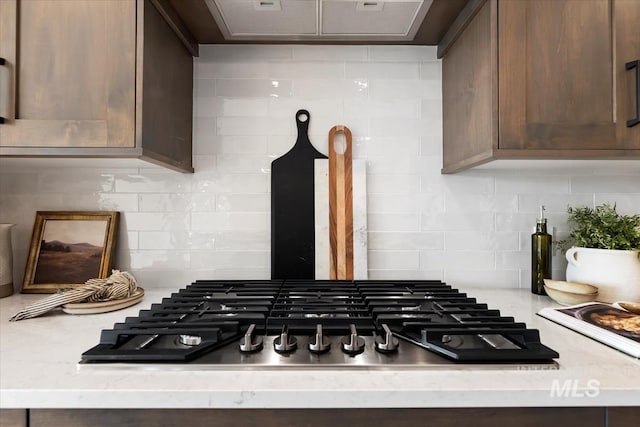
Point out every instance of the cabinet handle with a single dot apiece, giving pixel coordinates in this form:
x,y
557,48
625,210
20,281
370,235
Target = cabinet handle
x,y
2,62
629,66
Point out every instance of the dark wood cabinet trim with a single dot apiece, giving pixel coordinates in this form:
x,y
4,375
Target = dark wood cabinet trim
x,y
458,26
177,25
395,417
623,416
477,160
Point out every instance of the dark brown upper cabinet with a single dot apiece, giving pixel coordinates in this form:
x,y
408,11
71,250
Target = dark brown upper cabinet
x,y
87,78
537,79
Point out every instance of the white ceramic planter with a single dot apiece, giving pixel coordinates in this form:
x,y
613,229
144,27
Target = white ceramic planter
x,y
615,273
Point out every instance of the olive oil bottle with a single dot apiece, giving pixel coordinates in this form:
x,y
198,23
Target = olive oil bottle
x,y
540,255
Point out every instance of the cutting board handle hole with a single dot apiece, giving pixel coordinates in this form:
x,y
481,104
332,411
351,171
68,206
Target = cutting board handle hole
x,y
339,142
303,117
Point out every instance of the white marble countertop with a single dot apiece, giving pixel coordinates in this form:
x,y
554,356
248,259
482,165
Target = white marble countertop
x,y
39,369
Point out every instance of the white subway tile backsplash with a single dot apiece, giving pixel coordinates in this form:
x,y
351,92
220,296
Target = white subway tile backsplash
x,y
257,126
405,274
513,260
329,53
393,183
394,260
431,145
229,259
402,53
405,240
605,184
287,107
393,222
383,70
310,70
379,109
481,240
456,202
207,106
100,201
552,202
245,53
204,88
167,202
470,229
483,279
431,71
229,221
457,222
396,203
515,221
241,144
160,240
242,273
243,202
469,260
231,183
532,184
204,131
242,240
251,107
625,203
211,69
205,163
330,88
242,163
151,183
467,184
19,183
403,89
389,165
160,259
75,183
253,88
153,221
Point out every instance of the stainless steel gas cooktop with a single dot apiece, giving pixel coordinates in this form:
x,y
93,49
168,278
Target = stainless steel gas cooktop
x,y
319,324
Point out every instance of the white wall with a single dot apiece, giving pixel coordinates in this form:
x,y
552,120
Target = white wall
x,y
471,228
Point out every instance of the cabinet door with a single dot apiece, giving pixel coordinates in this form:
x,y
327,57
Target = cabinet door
x,y
627,24
72,72
556,75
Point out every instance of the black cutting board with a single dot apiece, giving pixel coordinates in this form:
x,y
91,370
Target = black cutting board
x,y
292,207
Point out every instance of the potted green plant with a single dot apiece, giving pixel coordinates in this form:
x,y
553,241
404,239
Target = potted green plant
x,y
605,251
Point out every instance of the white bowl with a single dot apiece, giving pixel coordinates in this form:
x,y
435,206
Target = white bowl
x,y
570,293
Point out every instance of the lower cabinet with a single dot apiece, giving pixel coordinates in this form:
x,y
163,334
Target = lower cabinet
x,y
477,417
13,417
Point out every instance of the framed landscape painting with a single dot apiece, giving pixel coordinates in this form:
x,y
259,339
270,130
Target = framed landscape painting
x,y
69,248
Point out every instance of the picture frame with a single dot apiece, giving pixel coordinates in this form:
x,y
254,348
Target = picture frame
x,y
69,248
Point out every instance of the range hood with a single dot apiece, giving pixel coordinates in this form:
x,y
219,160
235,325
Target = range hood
x,y
319,20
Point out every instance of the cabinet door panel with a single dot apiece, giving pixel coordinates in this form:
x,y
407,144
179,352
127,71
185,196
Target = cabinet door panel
x,y
559,56
627,24
74,71
469,92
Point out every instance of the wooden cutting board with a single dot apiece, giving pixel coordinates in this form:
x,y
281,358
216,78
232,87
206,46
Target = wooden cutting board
x,y
357,228
340,206
292,207
103,307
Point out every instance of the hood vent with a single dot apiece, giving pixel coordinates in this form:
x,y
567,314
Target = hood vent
x,y
347,20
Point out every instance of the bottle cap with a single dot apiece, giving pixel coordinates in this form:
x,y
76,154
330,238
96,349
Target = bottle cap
x,y
542,219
